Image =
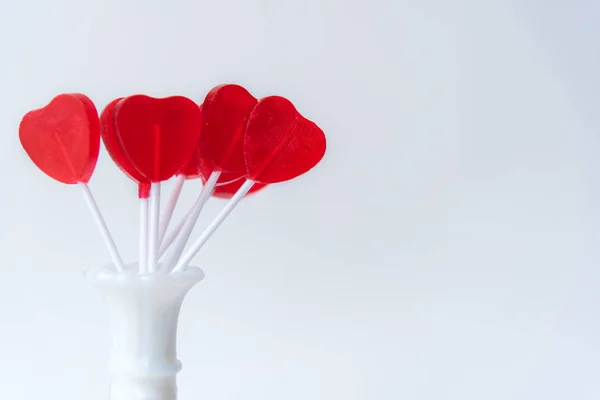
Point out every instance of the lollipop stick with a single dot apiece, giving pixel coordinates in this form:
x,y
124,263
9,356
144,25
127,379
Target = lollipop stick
x,y
143,236
183,236
153,226
168,240
168,214
108,240
237,197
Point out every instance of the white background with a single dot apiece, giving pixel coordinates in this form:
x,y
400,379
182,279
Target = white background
x,y
445,248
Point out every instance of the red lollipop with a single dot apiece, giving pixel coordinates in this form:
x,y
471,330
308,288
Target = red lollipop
x,y
63,138
158,135
280,143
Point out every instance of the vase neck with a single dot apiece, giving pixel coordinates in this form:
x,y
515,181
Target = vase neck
x,y
144,312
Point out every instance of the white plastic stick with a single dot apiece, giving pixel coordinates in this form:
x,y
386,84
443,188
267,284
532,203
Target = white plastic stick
x,y
168,213
97,215
170,237
237,197
183,237
154,219
143,236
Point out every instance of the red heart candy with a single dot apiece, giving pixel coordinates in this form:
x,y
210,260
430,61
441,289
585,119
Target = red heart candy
x,y
281,144
63,138
225,111
227,190
158,135
115,150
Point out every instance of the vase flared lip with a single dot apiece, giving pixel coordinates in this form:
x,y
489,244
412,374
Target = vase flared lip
x,y
130,275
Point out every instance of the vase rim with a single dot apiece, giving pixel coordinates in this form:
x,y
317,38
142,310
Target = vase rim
x,y
130,275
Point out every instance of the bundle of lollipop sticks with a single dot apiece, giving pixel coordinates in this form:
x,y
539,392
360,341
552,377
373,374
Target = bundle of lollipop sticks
x,y
233,143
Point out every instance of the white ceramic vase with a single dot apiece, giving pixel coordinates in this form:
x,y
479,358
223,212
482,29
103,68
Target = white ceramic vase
x,y
144,311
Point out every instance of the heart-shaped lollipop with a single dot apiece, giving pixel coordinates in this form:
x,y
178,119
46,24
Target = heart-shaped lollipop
x,y
280,144
63,138
227,190
224,112
158,135
114,148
